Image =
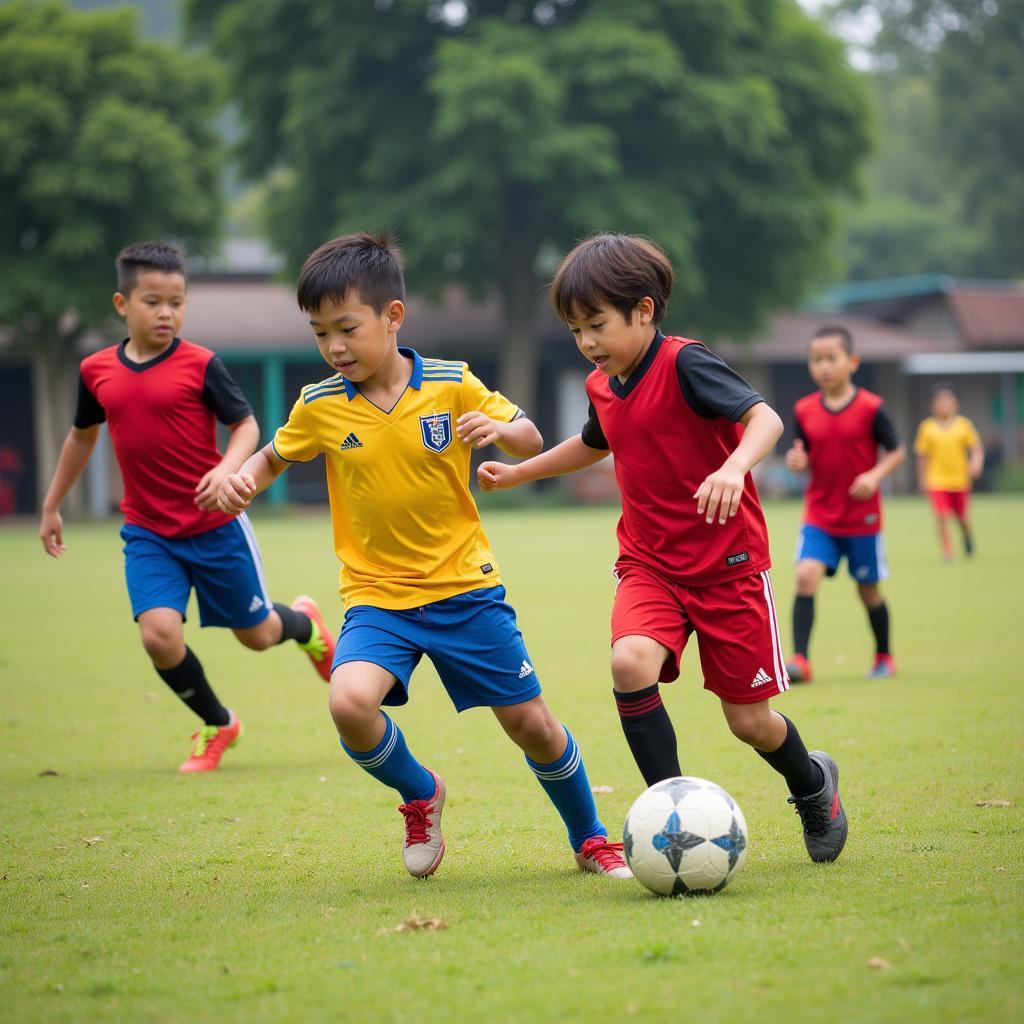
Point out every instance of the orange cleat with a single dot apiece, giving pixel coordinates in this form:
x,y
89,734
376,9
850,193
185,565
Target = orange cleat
x,y
798,668
320,645
210,743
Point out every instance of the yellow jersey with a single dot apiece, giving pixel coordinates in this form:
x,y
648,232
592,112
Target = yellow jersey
x,y
946,447
406,528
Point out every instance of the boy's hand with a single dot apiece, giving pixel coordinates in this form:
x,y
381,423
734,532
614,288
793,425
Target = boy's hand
x,y
236,493
796,458
477,429
207,488
51,533
496,476
721,493
864,486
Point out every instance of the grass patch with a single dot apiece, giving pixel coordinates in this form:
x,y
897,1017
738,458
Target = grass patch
x,y
271,890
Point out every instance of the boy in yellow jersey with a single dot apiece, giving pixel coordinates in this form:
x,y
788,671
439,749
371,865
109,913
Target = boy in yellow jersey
x,y
949,456
417,574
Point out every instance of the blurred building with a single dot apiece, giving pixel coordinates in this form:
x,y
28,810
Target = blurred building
x,y
909,332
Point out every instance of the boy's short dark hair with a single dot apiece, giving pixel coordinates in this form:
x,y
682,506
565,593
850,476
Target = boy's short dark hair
x,y
139,257
835,331
369,265
943,386
615,270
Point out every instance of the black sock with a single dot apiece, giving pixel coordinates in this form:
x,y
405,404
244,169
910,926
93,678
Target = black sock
x,y
188,681
649,733
879,619
793,763
294,625
803,619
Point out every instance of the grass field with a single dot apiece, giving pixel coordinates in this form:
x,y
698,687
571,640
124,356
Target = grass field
x,y
271,890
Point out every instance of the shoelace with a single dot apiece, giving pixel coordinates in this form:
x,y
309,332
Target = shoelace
x,y
203,738
416,822
814,815
608,855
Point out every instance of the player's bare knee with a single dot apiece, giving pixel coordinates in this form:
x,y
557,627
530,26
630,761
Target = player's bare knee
x,y
632,667
807,580
258,638
161,642
748,725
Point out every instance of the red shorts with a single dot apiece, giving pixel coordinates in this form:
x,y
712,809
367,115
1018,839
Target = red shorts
x,y
735,622
950,502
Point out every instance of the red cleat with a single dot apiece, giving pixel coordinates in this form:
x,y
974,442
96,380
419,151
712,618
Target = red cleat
x,y
798,668
209,745
603,858
883,668
320,645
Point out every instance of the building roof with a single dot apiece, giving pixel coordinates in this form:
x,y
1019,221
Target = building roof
x,y
989,318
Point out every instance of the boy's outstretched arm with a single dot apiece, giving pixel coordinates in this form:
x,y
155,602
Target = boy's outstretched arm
x,y
567,457
867,483
245,435
519,437
721,491
255,475
78,447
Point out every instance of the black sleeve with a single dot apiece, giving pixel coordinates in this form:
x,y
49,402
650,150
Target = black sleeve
x,y
883,430
592,435
798,431
223,395
710,387
88,412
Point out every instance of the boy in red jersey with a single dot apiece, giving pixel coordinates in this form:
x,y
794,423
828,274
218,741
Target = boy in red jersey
x,y
160,397
839,430
693,548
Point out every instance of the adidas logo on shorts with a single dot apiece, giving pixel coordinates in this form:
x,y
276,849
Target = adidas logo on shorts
x,y
761,678
256,603
350,442
526,670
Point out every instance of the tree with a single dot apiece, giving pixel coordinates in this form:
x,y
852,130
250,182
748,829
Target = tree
x,y
494,134
969,55
104,140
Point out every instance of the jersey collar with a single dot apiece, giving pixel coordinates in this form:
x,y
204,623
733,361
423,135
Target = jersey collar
x,y
621,390
415,381
156,360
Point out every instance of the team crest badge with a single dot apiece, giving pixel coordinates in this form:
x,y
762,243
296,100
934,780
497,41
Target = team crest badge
x,y
436,431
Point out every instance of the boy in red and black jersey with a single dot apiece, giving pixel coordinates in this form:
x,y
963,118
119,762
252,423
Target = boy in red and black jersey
x,y
161,397
839,431
685,430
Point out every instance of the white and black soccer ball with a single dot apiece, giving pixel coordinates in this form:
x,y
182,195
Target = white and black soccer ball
x,y
685,835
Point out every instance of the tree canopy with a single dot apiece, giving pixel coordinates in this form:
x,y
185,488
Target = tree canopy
x,y
947,188
104,140
492,135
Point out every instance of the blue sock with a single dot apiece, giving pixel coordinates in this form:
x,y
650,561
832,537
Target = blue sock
x,y
391,763
566,784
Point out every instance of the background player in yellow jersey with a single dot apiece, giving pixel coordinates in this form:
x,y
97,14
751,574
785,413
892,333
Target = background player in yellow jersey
x,y
949,457
417,573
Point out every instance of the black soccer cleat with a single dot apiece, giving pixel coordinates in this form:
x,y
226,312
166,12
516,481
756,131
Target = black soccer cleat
x,y
822,813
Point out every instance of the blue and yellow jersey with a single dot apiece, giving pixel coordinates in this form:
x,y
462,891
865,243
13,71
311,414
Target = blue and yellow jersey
x,y
406,528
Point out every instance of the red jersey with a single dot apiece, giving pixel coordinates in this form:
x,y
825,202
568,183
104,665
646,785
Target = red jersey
x,y
841,444
669,426
162,420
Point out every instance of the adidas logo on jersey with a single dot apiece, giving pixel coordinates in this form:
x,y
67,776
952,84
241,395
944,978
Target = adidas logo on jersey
x,y
256,603
761,678
350,442
526,670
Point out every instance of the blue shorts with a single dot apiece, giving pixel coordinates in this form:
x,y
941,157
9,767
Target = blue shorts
x,y
223,565
472,639
864,553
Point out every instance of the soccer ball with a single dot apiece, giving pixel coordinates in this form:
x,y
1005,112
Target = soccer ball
x,y
685,835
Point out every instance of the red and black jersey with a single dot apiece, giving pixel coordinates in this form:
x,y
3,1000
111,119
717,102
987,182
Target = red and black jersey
x,y
161,416
841,444
672,423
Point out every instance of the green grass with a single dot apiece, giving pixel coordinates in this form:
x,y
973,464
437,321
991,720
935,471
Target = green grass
x,y
271,889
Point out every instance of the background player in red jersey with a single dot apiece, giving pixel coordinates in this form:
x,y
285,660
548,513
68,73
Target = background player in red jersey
x,y
693,547
839,430
160,397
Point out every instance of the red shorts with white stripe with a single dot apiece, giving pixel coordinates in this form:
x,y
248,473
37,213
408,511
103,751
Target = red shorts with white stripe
x,y
735,623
